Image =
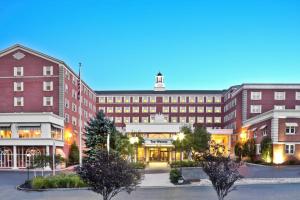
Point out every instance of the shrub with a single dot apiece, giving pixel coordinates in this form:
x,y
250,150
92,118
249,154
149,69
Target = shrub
x,y
138,165
185,163
266,149
174,176
73,158
58,181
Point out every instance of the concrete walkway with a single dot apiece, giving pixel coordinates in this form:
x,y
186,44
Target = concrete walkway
x,y
160,180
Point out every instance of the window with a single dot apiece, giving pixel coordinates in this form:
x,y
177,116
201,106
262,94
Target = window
x,y
182,119
56,133
200,109
217,109
110,99
74,121
258,149
166,109
192,120
166,99
182,109
289,148
18,86
152,99
74,94
200,99
218,99
264,131
135,119
153,109
183,99
145,109
192,99
174,99
29,132
110,109
74,80
18,101
67,103
67,118
297,95
126,120
48,86
102,108
101,100
297,107
74,107
174,119
279,107
200,119
66,88
255,109
254,134
48,71
118,99
279,95
127,99
118,109
118,119
145,120
136,99
208,119
127,109
217,120
174,109
209,99
145,99
136,109
255,95
290,128
47,101
5,132
18,71
192,109
209,109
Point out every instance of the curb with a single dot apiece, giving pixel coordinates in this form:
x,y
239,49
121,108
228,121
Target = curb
x,y
50,189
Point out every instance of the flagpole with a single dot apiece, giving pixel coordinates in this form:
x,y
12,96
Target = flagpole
x,y
80,122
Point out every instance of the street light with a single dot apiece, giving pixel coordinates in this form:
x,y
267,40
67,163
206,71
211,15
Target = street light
x,y
180,136
28,162
134,140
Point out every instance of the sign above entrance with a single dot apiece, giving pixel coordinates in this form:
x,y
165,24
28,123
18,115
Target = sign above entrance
x,y
158,142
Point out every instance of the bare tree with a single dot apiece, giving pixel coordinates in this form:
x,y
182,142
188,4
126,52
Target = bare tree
x,y
222,172
109,174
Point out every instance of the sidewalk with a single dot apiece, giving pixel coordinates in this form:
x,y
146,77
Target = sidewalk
x,y
162,180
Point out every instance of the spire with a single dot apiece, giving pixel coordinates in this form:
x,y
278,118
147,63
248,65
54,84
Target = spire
x,y
159,82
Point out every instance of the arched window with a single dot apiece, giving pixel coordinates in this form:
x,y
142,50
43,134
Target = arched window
x,y
6,157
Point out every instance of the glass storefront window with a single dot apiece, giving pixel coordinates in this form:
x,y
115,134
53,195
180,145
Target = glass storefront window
x,y
5,132
29,132
56,133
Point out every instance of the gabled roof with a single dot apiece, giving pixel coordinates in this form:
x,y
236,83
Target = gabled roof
x,y
42,55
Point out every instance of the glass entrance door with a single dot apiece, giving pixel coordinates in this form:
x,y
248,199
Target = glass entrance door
x,y
159,154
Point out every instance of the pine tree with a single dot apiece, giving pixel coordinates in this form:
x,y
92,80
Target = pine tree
x,y
73,155
96,133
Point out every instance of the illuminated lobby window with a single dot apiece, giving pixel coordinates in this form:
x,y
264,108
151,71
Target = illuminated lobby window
x,y
191,120
200,119
126,120
118,119
174,119
217,119
29,132
135,120
56,133
5,132
208,119
145,120
182,119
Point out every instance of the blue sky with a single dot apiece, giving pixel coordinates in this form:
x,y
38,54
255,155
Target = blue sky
x,y
195,44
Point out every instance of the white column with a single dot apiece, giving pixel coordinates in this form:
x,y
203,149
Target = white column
x,y
15,157
14,131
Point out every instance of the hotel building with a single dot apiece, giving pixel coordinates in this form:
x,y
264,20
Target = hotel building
x,y
39,112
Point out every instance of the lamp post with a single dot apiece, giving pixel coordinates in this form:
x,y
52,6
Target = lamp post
x,y
28,163
179,137
134,141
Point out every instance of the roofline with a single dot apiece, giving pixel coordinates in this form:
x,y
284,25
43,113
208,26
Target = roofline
x,y
58,61
152,92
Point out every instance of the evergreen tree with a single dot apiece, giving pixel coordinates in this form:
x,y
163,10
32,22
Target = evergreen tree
x,y
96,133
73,158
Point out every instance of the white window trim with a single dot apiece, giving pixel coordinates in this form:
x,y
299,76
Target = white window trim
x,y
289,149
